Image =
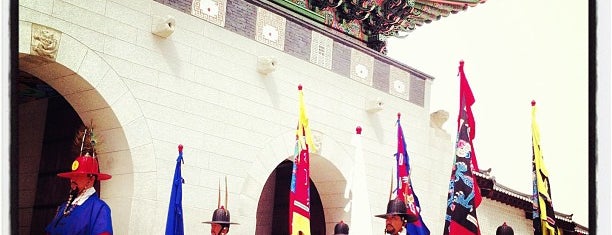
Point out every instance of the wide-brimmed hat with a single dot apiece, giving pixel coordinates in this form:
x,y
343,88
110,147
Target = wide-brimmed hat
x,y
341,228
220,216
85,165
398,207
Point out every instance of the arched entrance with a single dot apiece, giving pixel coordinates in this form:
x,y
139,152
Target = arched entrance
x,y
86,86
46,134
328,171
273,206
46,128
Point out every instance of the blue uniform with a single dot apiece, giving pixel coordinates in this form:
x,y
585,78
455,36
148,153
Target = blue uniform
x,y
93,217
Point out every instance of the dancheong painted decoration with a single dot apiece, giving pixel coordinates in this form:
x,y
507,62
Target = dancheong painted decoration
x,y
372,21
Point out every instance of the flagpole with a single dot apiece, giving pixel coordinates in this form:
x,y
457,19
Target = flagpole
x,y
174,221
360,203
408,196
299,195
544,214
463,193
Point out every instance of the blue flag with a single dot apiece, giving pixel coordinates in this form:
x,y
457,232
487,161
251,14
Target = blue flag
x,y
174,223
404,190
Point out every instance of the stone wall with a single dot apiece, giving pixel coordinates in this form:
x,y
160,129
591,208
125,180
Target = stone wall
x,y
295,34
199,87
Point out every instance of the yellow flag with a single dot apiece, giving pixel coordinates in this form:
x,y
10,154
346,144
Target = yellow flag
x,y
299,195
303,130
300,225
542,192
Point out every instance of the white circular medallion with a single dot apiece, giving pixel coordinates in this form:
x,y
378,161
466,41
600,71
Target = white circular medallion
x,y
269,32
399,86
209,7
361,71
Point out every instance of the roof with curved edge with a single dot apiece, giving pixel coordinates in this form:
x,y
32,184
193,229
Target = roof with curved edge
x,y
372,21
493,190
426,11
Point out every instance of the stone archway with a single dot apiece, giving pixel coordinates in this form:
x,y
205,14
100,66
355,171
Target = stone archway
x,y
273,206
96,93
45,131
330,167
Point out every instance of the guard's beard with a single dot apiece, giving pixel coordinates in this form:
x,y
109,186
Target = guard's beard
x,y
73,186
78,188
390,229
74,192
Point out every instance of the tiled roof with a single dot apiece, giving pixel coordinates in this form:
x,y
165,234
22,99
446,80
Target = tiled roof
x,y
372,21
581,229
426,11
493,190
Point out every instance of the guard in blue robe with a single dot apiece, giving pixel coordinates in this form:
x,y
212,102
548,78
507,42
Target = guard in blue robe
x,y
84,213
92,217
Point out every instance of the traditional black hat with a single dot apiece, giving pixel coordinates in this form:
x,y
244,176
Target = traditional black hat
x,y
221,215
504,230
341,229
398,207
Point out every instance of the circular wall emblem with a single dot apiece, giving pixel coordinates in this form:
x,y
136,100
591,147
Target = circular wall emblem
x,y
209,7
399,86
75,165
361,71
270,32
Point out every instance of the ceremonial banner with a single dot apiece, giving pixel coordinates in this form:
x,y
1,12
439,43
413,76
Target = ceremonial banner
x,y
357,190
404,188
299,196
174,222
463,193
466,100
543,212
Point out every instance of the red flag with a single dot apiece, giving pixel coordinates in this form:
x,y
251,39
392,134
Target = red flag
x,y
466,100
299,196
464,193
405,190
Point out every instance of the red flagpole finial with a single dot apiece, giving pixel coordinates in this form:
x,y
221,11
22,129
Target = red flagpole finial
x,y
533,102
399,115
300,87
358,130
180,148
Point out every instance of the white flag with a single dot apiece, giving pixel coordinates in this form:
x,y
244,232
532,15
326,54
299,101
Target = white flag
x,y
356,187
